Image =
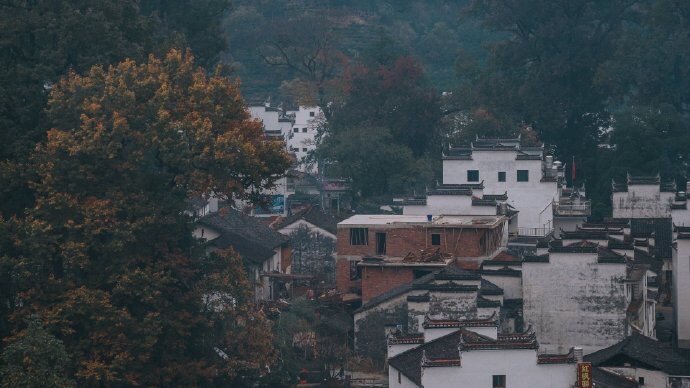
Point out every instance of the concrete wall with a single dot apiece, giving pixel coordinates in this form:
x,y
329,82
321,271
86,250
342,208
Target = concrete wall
x,y
681,292
533,198
519,366
642,201
449,204
574,301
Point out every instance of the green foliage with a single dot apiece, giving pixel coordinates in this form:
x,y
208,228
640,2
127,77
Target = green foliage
x,y
44,39
35,358
106,257
371,332
313,254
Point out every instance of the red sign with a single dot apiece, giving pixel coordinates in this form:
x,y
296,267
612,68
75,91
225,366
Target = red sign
x,y
584,375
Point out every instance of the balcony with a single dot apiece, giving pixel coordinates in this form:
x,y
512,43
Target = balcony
x,y
533,232
569,209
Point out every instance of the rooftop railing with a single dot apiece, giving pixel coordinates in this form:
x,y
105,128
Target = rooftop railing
x,y
572,209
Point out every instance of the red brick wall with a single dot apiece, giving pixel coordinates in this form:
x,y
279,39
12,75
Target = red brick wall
x,y
399,242
377,280
342,276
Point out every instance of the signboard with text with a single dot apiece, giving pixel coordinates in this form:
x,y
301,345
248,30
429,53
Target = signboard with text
x,y
584,375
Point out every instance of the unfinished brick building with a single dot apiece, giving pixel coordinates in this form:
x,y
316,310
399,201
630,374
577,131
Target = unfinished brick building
x,y
376,253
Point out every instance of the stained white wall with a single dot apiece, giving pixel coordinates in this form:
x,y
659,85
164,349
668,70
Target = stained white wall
x,y
533,198
681,292
511,285
642,201
574,301
519,366
299,140
652,378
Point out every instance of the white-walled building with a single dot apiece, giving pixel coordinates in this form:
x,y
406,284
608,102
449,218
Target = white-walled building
x,y
277,125
300,141
681,287
642,198
474,354
528,176
586,294
642,360
265,252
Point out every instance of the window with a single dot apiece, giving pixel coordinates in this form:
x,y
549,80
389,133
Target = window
x,y
501,176
399,378
436,239
380,243
304,150
304,130
354,273
499,381
473,175
523,175
359,236
640,380
295,130
311,114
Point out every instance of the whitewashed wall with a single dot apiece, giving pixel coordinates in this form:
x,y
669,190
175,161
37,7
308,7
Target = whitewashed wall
x,y
574,301
681,292
642,201
533,198
519,366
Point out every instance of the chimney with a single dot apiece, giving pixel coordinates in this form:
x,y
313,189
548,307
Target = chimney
x,y
577,352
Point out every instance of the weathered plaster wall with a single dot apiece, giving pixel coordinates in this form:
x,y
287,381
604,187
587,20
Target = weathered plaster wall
x,y
681,292
574,301
519,366
642,201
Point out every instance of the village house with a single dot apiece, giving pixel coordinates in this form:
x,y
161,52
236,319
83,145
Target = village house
x,y
395,244
681,287
643,362
312,236
276,122
446,295
526,174
300,140
587,294
265,252
473,353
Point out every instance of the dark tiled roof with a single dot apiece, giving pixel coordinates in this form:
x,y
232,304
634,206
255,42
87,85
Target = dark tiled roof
x,y
536,259
312,215
414,202
462,191
640,351
501,263
488,288
444,351
605,379
406,339
505,271
496,197
418,298
589,234
483,202
444,323
487,303
556,358
452,272
605,255
578,247
461,186
253,240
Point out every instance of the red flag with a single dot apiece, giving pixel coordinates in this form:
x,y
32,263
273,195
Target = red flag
x,y
574,171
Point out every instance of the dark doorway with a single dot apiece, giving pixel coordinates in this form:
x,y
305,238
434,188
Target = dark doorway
x,y
380,243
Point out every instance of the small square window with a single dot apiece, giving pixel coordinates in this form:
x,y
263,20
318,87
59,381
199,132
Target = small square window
x,y
304,130
523,175
304,150
499,381
311,114
501,176
295,130
436,239
640,380
473,175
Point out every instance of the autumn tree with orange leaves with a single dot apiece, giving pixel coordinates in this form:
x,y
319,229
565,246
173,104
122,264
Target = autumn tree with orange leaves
x,y
106,258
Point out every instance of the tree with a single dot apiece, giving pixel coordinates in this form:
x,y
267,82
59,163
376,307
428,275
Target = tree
x,y
106,257
35,358
44,39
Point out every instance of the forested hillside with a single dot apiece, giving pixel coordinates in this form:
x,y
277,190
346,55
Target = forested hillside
x,y
435,32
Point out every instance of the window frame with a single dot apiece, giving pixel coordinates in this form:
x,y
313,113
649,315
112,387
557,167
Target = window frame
x,y
476,179
524,178
498,381
359,236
